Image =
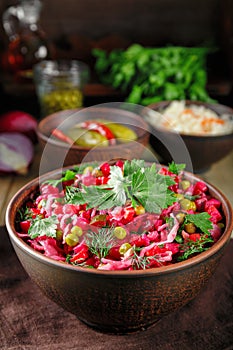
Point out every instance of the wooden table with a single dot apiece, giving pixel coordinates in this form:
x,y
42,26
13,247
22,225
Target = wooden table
x,y
220,175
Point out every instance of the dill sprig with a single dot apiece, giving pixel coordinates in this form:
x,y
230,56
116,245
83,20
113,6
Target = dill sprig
x,y
100,242
142,262
190,248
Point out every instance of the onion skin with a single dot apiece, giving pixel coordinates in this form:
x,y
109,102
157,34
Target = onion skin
x,y
21,122
16,153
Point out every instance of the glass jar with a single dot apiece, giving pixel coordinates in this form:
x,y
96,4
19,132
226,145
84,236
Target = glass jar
x,y
27,45
59,84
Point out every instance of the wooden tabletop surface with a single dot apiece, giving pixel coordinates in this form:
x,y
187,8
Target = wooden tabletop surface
x,y
219,175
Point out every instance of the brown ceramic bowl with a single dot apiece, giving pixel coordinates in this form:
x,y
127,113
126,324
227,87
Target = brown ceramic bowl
x,y
202,150
117,301
57,154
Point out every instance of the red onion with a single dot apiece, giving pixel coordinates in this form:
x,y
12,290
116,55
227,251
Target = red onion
x,y
16,153
19,121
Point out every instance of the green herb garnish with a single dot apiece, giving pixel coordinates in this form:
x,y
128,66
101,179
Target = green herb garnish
x,y
152,74
70,174
143,262
200,220
43,227
141,185
175,168
195,247
190,197
100,242
24,214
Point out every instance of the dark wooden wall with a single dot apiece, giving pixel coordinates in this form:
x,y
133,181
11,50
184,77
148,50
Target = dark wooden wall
x,y
154,22
76,26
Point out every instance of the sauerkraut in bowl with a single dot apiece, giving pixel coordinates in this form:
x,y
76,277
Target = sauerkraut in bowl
x,y
191,119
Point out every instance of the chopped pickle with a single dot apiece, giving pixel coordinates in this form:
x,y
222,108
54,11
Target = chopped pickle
x,y
100,218
124,248
122,132
61,99
98,134
87,138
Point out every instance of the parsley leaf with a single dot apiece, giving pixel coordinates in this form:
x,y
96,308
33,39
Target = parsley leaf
x,y
43,227
70,174
200,220
118,184
97,196
141,185
130,167
151,189
74,195
176,168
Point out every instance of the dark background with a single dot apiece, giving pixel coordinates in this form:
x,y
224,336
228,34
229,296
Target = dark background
x,y
76,27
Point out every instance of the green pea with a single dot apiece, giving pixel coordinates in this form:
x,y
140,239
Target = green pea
x,y
185,184
190,227
179,196
88,169
119,232
76,230
72,239
180,217
186,204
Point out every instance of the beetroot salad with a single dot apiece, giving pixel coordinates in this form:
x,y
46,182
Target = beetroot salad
x,y
122,216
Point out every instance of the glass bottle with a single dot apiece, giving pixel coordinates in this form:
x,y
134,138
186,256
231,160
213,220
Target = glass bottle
x,y
27,45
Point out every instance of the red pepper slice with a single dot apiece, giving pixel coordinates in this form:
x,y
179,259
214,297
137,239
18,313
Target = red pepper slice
x,y
24,225
61,136
194,236
81,255
99,127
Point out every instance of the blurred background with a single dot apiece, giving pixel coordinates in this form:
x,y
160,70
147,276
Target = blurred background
x,y
73,28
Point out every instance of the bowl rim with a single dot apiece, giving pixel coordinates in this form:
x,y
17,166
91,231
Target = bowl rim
x,y
33,184
47,139
198,137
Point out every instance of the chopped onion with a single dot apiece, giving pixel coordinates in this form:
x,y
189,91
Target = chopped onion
x,y
16,153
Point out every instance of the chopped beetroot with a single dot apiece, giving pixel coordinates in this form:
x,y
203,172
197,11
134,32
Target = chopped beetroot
x,y
118,236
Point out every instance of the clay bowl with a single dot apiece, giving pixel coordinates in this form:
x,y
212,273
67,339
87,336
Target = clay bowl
x,y
203,150
117,301
57,154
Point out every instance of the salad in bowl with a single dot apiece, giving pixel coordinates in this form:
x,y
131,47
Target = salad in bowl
x,y
119,244
121,215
